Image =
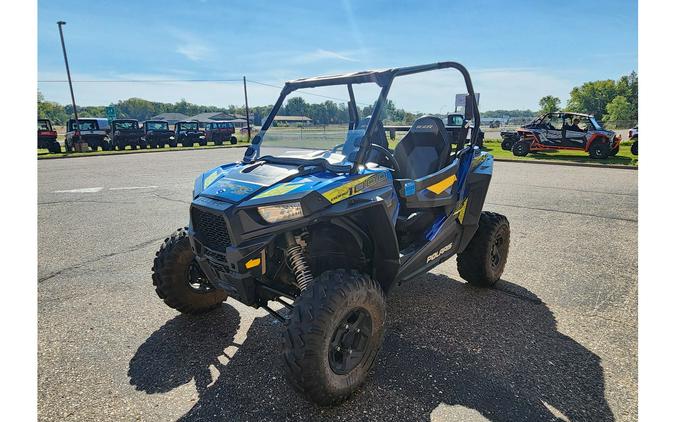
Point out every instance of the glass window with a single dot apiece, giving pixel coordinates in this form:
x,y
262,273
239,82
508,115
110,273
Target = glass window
x,y
126,125
188,126
556,122
157,126
84,125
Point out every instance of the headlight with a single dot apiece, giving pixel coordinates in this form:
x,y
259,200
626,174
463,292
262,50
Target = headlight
x,y
201,136
281,212
172,137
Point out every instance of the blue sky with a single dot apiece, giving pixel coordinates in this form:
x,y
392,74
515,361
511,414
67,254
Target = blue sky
x,y
516,51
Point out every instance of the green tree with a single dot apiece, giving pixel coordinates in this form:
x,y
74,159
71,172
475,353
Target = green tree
x,y
296,106
549,104
51,110
619,109
627,87
592,97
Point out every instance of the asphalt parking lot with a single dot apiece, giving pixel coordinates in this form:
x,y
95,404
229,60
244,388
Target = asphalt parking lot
x,y
555,340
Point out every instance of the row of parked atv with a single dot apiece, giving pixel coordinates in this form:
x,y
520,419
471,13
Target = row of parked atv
x,y
565,131
122,133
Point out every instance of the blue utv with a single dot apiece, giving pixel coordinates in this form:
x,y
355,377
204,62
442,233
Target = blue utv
x,y
328,234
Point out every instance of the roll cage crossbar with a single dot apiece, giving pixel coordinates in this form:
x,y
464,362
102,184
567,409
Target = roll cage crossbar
x,y
384,79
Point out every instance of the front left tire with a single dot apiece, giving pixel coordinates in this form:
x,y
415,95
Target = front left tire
x,y
178,280
482,262
333,335
598,150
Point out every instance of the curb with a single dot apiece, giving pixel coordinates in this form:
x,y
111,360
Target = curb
x,y
569,163
143,151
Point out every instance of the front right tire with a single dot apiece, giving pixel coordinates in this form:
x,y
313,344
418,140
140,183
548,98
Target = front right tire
x,y
333,335
178,280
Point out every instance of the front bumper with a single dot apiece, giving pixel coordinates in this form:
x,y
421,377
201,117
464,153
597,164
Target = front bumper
x,y
233,268
616,142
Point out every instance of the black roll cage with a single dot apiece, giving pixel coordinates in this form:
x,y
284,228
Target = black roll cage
x,y
384,79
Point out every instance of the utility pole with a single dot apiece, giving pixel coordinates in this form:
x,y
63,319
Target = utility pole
x,y
248,121
70,82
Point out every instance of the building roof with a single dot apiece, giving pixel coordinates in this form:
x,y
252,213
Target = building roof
x,y
293,118
212,116
170,116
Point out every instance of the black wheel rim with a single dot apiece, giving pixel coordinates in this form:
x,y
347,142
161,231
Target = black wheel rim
x,y
196,280
497,251
350,341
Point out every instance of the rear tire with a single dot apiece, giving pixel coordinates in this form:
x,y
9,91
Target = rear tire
x,y
233,141
507,145
179,281
55,148
521,148
482,262
333,335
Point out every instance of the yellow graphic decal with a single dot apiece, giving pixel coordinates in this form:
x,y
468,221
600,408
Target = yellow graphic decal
x,y
279,190
354,187
461,210
439,187
210,179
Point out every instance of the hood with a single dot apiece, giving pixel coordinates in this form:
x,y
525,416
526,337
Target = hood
x,y
237,182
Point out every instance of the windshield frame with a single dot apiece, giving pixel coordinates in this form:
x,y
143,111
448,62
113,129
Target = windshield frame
x,y
384,80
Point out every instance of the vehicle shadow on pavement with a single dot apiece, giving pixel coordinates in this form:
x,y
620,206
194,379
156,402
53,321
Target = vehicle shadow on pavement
x,y
449,349
182,350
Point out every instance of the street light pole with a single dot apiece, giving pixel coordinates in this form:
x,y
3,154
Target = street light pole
x,y
70,82
248,121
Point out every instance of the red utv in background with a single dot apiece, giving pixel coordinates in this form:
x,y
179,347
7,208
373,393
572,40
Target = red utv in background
x,y
566,131
219,132
47,136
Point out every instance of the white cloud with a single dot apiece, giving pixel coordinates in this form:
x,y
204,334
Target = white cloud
x,y
432,92
321,54
192,47
499,88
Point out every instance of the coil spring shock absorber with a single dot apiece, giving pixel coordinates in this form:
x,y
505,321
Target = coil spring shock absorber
x,y
298,263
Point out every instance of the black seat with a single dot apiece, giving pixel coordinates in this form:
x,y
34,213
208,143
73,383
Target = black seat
x,y
425,149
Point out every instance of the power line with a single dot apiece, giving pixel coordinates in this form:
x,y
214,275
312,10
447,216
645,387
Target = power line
x,y
137,80
305,92
190,80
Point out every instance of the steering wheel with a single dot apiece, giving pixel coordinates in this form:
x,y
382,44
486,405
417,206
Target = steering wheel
x,y
388,155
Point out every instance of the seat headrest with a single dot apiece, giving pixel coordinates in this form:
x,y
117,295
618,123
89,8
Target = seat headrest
x,y
428,124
